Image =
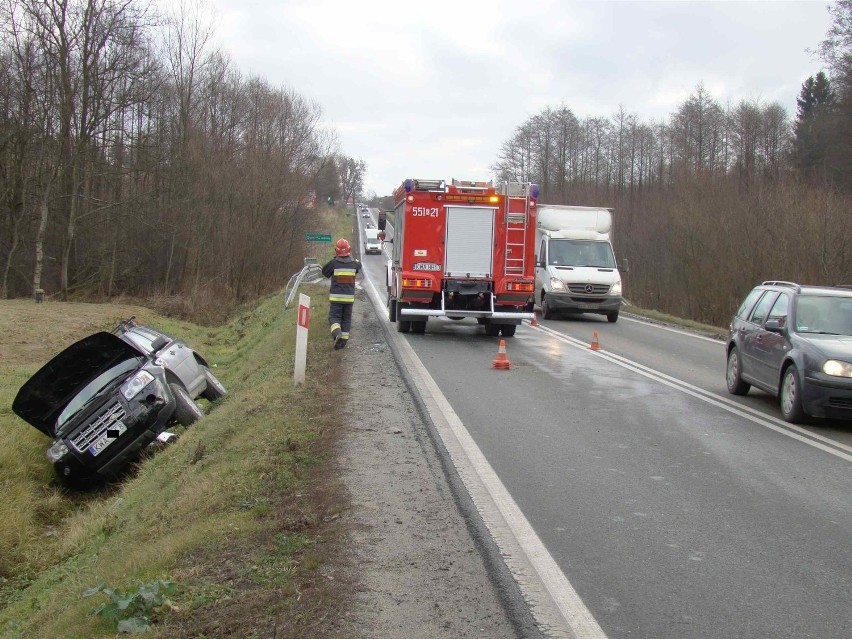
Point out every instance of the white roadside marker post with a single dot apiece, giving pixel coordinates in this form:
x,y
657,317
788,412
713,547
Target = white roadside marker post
x,y
303,320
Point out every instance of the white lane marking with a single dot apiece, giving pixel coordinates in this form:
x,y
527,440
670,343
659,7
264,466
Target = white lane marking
x,y
670,329
554,602
790,430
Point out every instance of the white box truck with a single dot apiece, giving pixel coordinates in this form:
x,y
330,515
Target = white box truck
x,y
372,243
576,271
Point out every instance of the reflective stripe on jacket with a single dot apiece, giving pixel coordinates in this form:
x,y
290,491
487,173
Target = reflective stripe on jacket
x,y
342,271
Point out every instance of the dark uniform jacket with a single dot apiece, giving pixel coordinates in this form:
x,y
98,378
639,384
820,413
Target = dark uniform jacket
x,y
342,271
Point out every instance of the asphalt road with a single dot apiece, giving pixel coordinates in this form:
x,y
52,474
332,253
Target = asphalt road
x,y
673,509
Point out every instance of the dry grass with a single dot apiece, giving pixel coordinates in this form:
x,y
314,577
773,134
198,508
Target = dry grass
x,y
718,332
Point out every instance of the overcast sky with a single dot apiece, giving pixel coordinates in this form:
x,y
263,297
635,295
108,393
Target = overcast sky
x,y
431,89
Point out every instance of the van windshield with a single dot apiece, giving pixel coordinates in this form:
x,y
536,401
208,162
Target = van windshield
x,y
580,253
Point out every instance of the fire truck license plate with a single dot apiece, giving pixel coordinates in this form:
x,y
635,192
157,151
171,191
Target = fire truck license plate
x,y
105,440
427,266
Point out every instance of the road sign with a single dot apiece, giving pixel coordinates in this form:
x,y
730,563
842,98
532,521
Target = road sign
x,y
317,237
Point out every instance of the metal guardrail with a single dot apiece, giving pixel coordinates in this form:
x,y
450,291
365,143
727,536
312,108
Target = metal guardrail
x,y
311,272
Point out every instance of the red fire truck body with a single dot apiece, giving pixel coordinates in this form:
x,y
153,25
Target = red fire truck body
x,y
462,250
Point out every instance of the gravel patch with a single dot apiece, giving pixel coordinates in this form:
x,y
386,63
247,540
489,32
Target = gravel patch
x,y
418,570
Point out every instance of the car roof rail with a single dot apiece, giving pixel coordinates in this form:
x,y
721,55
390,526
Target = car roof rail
x,y
782,283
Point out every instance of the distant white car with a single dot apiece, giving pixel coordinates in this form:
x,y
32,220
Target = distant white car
x,y
365,215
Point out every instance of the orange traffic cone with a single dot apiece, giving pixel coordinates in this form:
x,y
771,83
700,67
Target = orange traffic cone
x,y
534,320
501,362
594,345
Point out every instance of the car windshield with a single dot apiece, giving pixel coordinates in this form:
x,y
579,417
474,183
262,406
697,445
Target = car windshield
x,y
581,253
825,314
93,389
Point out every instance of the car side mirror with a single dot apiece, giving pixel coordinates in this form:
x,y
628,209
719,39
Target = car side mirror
x,y
774,325
539,263
625,266
158,343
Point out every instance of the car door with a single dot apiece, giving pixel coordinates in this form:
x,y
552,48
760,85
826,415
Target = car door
x,y
750,330
770,347
175,356
181,360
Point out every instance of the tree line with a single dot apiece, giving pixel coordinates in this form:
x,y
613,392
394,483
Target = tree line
x,y
717,197
135,159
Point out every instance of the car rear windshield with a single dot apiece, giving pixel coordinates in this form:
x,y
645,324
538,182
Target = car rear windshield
x,y
748,303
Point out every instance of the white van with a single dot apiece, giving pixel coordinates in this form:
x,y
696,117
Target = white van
x,y
576,271
372,243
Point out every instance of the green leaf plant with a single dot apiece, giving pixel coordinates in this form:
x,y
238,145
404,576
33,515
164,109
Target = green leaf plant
x,y
131,610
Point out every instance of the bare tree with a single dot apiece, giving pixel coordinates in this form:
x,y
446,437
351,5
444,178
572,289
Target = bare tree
x,y
352,173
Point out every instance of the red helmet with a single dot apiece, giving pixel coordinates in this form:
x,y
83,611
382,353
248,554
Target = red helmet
x,y
342,248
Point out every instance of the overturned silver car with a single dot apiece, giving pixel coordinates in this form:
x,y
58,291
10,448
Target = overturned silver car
x,y
107,396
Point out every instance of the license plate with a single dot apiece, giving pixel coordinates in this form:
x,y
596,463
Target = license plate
x,y
587,306
114,431
426,266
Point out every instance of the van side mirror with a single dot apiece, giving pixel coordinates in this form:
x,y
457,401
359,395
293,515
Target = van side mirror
x,y
158,343
625,266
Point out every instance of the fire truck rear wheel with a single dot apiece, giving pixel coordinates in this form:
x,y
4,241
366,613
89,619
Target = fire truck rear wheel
x,y
402,326
418,328
508,330
492,330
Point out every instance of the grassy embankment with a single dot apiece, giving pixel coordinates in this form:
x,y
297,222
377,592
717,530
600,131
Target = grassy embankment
x,y
234,512
719,332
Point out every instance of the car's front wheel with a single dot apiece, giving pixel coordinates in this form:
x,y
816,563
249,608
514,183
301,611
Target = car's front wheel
x,y
546,311
736,385
791,396
187,411
215,389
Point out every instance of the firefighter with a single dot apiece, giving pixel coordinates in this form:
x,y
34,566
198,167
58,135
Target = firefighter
x,y
342,270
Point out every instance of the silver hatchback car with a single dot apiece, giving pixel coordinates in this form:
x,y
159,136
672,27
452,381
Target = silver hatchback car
x,y
105,397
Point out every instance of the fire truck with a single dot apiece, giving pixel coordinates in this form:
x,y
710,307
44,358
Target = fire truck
x,y
462,250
